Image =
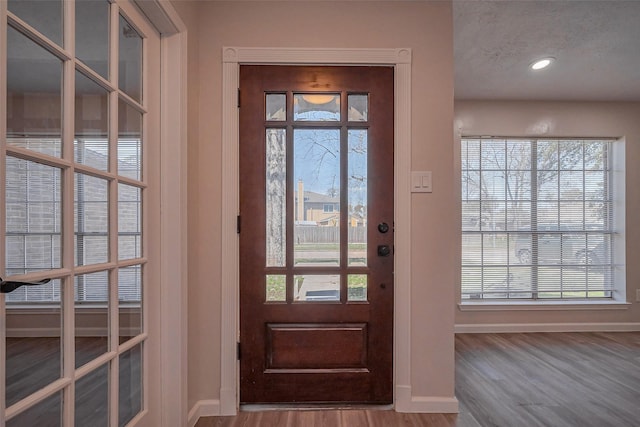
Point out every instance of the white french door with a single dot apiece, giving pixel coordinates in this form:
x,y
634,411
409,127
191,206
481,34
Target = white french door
x,y
79,144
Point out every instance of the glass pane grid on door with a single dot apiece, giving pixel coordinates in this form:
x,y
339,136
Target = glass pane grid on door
x,y
329,166
73,211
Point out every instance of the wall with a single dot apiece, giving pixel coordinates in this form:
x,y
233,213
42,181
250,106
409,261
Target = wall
x,y
426,28
563,119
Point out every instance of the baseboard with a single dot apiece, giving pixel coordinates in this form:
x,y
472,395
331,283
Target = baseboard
x,y
433,405
55,332
203,408
405,402
545,327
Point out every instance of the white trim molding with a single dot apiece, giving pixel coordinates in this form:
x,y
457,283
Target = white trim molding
x,y
232,58
497,328
173,217
203,408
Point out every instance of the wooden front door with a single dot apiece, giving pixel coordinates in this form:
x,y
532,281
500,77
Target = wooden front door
x,y
316,234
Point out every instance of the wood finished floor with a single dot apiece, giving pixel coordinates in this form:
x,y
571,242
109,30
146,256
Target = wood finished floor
x,y
510,380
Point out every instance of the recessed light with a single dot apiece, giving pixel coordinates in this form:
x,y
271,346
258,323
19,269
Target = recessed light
x,y
542,63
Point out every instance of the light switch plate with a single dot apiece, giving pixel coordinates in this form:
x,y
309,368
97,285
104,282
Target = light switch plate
x,y
421,182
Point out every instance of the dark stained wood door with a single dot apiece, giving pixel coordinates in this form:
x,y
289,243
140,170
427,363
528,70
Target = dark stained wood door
x,y
316,234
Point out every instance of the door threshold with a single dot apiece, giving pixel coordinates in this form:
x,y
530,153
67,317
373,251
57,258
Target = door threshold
x,y
335,406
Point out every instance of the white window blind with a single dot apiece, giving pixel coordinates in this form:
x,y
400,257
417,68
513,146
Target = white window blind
x,y
33,226
537,219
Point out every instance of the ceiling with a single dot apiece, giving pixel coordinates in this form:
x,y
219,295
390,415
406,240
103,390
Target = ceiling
x,y
596,45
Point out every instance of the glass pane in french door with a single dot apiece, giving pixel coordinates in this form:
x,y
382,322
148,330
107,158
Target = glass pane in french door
x,y
34,95
92,399
47,413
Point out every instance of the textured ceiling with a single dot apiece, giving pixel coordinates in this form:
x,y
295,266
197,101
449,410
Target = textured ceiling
x,y
596,45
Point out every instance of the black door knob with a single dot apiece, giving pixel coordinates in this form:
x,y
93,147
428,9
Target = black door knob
x,y
384,250
383,227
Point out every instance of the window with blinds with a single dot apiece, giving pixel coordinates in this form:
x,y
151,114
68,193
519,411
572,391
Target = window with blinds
x,y
537,219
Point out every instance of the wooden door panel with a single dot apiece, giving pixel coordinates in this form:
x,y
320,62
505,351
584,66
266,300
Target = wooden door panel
x,y
314,347
314,341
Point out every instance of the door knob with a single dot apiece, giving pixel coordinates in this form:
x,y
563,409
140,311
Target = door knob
x,y
383,227
384,250
11,285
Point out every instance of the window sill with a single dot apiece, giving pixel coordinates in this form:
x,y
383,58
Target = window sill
x,y
542,305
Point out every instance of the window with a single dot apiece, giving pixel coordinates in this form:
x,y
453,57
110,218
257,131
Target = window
x,y
328,208
537,219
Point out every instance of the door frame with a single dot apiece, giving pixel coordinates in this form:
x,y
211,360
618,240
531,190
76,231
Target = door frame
x,y
232,58
170,308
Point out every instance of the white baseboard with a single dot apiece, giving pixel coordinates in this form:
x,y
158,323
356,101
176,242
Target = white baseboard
x,y
55,332
433,405
405,402
203,408
545,327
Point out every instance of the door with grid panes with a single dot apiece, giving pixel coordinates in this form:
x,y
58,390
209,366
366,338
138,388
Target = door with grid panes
x,y
79,107
316,234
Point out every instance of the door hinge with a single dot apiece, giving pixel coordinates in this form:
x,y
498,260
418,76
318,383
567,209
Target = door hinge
x,y
238,224
238,97
239,353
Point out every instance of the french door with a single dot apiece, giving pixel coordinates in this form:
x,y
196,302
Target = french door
x,y
79,111
316,234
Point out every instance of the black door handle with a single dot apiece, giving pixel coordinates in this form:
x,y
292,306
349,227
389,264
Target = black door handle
x,y
12,285
383,227
384,250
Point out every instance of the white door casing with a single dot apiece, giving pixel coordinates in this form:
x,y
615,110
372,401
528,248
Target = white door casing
x,y
232,58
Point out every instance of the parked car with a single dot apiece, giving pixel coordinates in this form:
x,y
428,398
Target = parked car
x,y
555,247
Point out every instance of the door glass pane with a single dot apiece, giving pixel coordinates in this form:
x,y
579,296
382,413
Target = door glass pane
x,y
92,34
130,387
315,287
130,61
358,108
44,16
357,287
130,302
91,220
92,122
357,197
92,399
317,197
47,413
33,216
276,288
92,316
129,141
129,222
276,107
33,361
276,197
34,100
320,107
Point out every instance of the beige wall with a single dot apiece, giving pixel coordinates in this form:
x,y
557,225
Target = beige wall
x,y
426,28
549,119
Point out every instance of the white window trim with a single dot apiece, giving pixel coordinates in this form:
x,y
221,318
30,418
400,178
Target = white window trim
x,y
232,57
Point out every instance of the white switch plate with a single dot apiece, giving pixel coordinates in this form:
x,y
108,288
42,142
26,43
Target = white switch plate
x,y
421,182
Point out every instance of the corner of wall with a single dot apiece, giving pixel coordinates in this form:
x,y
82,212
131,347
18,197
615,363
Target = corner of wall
x,y
203,408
